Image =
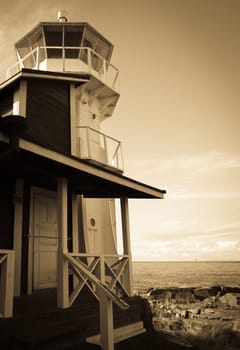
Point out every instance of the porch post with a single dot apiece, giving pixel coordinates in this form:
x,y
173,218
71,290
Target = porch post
x,y
106,314
75,237
7,282
127,243
62,277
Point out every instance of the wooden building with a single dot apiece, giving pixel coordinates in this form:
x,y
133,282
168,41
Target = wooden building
x,y
61,176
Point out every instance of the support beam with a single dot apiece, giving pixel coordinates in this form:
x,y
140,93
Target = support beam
x,y
127,244
75,230
62,278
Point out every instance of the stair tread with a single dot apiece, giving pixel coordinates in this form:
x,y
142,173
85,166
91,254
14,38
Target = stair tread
x,y
121,333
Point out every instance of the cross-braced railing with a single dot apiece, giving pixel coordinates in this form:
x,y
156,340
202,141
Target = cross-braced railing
x,y
6,282
108,273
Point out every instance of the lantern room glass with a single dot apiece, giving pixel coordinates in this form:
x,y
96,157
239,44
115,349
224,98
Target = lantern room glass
x,y
63,41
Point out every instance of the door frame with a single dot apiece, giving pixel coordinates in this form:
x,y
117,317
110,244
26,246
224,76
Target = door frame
x,y
34,191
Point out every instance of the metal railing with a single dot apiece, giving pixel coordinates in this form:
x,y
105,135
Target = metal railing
x,y
68,59
6,282
97,146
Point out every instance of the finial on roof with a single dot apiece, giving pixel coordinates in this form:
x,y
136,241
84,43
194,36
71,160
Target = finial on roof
x,y
62,16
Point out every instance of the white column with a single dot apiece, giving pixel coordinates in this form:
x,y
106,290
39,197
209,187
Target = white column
x,y
106,315
62,278
75,231
127,244
75,238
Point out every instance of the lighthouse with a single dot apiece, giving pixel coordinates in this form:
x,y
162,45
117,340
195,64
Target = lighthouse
x,y
63,175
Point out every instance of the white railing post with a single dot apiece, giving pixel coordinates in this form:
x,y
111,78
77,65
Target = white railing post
x,y
89,53
106,314
62,278
63,59
38,48
106,148
7,282
115,80
104,71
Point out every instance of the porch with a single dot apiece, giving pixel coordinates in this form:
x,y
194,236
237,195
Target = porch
x,y
39,324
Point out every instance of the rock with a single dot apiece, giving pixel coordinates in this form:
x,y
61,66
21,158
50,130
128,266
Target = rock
x,y
229,299
202,293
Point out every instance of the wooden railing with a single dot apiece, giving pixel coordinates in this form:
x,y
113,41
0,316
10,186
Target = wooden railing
x,y
106,273
6,282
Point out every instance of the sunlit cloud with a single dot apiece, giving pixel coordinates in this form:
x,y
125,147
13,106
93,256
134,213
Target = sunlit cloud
x,y
187,250
201,163
226,245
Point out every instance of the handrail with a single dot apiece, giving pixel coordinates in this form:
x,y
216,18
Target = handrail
x,y
98,132
35,53
89,255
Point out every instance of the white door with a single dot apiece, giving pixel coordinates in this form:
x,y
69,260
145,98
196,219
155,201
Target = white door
x,y
45,239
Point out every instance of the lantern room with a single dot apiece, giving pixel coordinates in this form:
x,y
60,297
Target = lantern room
x,y
66,47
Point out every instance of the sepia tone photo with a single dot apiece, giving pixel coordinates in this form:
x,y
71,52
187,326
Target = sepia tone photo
x,y
119,169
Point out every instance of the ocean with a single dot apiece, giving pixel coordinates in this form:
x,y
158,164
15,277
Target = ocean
x,y
185,274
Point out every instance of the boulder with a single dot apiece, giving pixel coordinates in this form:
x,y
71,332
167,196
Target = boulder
x,y
201,293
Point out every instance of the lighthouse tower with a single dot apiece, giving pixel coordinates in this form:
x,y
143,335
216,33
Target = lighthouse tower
x,y
63,175
79,49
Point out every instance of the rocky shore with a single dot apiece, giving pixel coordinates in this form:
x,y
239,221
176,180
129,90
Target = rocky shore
x,y
207,318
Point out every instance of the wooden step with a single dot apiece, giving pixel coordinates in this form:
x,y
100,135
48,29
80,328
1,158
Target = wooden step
x,y
121,333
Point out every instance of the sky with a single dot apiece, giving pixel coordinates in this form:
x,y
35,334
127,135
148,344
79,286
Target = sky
x,y
178,115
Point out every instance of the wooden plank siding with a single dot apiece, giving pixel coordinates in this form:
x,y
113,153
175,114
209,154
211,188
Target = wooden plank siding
x,y
6,101
48,114
7,189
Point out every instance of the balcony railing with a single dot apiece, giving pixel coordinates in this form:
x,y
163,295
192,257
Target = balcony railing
x,y
96,146
68,59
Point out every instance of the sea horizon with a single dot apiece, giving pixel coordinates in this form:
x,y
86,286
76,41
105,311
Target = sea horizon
x,y
200,273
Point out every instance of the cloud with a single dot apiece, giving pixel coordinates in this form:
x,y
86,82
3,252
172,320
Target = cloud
x,y
211,176
184,165
183,249
177,240
226,245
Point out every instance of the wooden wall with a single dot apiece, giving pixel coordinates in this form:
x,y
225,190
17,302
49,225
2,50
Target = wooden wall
x,y
7,189
48,114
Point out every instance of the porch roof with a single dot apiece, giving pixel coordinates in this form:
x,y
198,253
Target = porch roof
x,y
37,162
